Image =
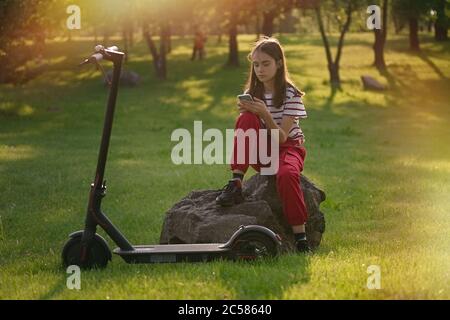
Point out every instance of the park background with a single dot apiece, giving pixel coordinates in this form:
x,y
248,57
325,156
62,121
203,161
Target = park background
x,y
382,158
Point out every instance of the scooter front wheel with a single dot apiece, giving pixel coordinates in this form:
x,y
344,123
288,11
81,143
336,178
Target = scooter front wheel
x,y
96,256
254,246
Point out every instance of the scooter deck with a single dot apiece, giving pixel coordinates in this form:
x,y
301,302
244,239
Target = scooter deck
x,y
161,248
174,253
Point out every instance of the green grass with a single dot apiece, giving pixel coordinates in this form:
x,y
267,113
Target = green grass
x,y
383,160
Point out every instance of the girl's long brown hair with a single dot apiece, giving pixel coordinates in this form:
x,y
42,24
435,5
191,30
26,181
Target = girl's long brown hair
x,y
273,48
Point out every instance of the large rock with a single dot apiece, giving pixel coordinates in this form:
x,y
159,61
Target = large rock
x,y
197,218
370,83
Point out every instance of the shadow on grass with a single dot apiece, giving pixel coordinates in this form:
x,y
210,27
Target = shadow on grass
x,y
430,63
266,279
392,81
57,289
327,105
401,44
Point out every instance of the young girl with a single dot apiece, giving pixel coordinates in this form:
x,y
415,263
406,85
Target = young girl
x,y
277,105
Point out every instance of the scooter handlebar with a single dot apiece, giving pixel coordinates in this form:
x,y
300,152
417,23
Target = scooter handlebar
x,y
99,48
101,51
97,56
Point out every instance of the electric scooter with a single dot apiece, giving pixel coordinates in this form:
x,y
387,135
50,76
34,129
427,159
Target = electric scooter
x,y
87,249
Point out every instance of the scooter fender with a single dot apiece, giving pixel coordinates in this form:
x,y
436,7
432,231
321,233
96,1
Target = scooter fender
x,y
99,238
253,228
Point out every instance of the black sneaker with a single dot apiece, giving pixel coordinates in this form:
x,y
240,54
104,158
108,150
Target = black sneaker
x,y
231,194
302,246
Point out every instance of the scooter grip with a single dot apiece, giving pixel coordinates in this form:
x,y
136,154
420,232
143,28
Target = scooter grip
x,y
97,56
113,48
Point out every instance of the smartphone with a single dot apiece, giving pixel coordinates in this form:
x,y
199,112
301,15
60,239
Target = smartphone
x,y
245,96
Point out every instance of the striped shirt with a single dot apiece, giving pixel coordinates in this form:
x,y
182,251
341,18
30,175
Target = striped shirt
x,y
292,106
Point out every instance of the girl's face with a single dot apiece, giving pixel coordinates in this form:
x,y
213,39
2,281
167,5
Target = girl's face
x,y
264,65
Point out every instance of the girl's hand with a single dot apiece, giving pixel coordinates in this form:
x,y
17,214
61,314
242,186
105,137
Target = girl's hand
x,y
239,105
257,107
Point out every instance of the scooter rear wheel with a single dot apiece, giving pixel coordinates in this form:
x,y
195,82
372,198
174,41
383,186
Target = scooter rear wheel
x,y
96,256
254,246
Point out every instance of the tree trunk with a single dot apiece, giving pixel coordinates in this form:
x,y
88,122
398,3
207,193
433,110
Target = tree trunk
x,y
380,40
328,23
258,27
378,49
267,27
326,45
95,36
162,66
335,79
414,34
398,24
246,30
168,39
158,61
131,36
334,69
333,66
429,25
39,45
440,32
125,43
105,38
233,58
441,24
287,24
151,45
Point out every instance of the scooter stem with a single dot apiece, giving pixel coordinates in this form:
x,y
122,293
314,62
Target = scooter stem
x,y
117,58
94,215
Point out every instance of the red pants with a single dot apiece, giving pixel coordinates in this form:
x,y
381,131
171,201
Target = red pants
x,y
291,159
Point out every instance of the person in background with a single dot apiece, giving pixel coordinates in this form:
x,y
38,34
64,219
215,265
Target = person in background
x,y
199,45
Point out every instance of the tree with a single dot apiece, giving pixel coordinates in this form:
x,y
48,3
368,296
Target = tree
x,y
159,58
412,11
441,7
380,39
233,53
268,16
21,22
156,18
270,10
233,13
345,14
127,24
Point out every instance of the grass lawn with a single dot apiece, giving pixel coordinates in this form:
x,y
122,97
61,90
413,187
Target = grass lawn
x,y
383,160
